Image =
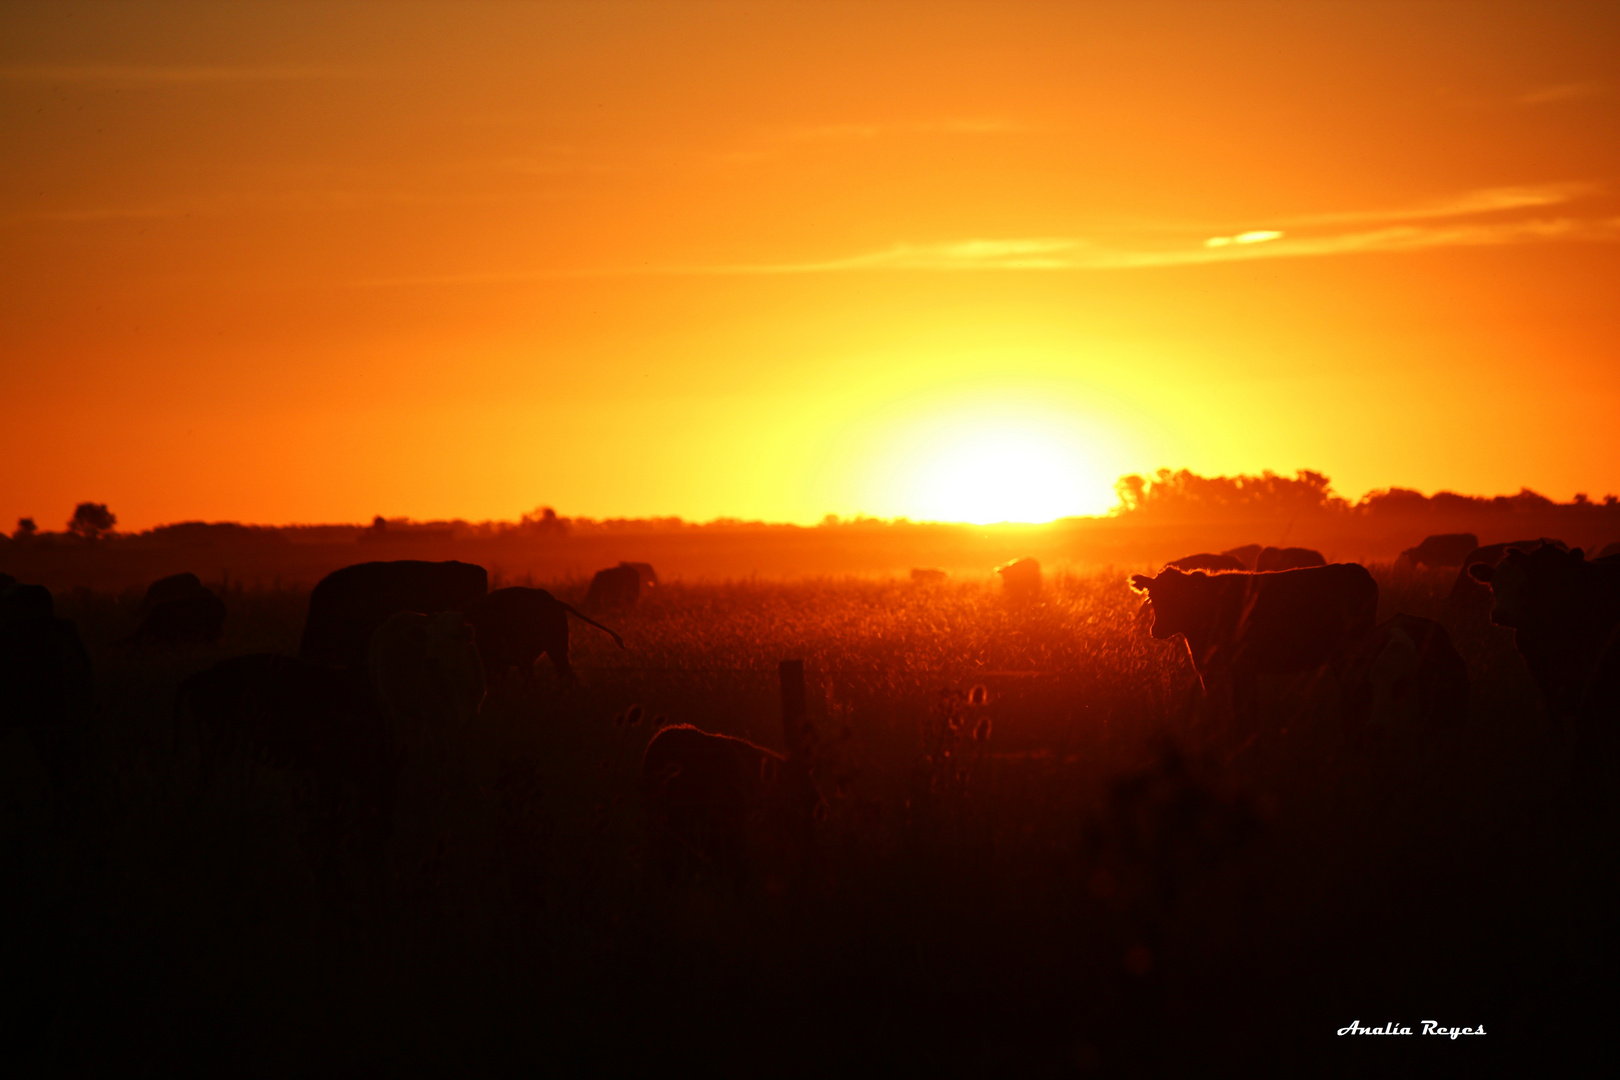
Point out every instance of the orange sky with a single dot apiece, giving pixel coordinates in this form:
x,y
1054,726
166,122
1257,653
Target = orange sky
x,y
314,262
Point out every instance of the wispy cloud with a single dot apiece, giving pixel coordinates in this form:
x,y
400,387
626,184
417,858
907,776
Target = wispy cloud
x,y
1547,95
140,75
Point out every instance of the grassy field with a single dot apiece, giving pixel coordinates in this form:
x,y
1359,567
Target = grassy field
x,y
1073,877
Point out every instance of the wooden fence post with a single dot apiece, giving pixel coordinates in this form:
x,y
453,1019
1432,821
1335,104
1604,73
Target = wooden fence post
x,y
791,673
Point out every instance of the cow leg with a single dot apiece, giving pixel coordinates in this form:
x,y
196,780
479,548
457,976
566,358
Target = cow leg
x,y
559,660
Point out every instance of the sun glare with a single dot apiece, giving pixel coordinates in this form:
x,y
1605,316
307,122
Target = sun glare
x,y
993,475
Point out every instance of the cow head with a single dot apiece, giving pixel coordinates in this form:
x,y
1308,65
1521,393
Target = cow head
x,y
1525,582
1173,597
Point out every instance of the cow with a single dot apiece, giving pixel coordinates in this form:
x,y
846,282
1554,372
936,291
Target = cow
x,y
348,605
1207,561
320,723
1443,550
426,670
173,587
1248,554
515,625
927,575
46,681
1238,626
1404,676
1020,578
725,805
1293,558
621,586
1565,615
194,619
1468,596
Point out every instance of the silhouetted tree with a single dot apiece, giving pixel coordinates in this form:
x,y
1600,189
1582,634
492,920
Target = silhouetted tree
x,y
90,520
1187,494
543,520
26,529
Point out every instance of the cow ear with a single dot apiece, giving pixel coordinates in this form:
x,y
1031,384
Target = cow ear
x,y
1140,582
1481,572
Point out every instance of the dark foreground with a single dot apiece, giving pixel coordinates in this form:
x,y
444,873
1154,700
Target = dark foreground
x,y
1075,877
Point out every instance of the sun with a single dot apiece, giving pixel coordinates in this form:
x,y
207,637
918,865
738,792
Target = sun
x,y
1006,471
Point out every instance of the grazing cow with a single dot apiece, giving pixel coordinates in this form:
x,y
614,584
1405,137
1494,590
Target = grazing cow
x,y
1273,558
1248,554
1445,549
1238,626
1020,578
1406,675
348,605
1565,616
1468,596
515,625
45,678
173,587
195,619
927,575
1207,561
723,804
616,587
296,716
426,670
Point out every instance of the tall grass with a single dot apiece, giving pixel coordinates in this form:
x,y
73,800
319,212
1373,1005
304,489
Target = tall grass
x,y
1036,861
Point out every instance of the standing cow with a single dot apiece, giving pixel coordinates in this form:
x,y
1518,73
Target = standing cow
x,y
517,624
1446,549
179,610
348,605
1565,616
45,678
1238,626
620,586
1404,676
1469,597
1020,579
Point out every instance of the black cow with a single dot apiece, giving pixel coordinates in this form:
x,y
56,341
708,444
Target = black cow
x,y
616,587
1293,558
1248,554
173,587
1208,561
723,804
1468,596
293,715
1020,578
1445,549
45,678
348,605
515,625
1239,626
196,619
1565,616
1406,675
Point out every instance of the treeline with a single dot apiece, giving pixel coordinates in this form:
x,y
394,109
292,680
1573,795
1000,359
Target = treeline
x,y
1186,496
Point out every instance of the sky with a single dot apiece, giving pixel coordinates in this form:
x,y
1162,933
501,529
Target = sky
x,y
314,262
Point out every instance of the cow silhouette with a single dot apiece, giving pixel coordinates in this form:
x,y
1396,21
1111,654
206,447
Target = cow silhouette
x,y
1565,616
1020,578
173,587
1406,675
1248,554
620,586
1445,549
46,684
516,625
348,605
1238,626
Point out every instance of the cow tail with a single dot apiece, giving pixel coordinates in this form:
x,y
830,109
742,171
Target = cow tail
x,y
581,615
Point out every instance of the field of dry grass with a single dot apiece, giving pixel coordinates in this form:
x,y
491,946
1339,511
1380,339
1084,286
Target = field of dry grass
x,y
1073,877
